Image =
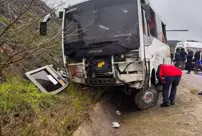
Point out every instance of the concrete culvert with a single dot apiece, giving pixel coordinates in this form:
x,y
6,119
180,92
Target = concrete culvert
x,y
105,113
100,121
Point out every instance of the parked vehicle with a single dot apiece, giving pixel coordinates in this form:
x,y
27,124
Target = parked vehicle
x,y
114,43
189,45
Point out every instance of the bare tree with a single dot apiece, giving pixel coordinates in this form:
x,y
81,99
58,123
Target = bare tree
x,y
20,39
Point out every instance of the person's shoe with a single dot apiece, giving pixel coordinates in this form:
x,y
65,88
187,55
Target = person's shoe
x,y
200,93
172,103
187,73
165,105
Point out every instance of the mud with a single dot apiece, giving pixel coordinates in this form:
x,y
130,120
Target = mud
x,y
182,119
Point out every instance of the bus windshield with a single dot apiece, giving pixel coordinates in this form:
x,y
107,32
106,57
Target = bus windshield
x,y
100,23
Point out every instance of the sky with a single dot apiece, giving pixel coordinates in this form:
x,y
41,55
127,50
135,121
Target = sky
x,y
176,14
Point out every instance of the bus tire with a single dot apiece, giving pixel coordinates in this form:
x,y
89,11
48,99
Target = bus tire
x,y
147,98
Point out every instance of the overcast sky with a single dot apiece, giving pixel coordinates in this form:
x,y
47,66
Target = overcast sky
x,y
176,14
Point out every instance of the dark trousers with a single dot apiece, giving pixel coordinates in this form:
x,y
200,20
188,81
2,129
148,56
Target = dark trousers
x,y
167,82
189,66
196,66
182,64
177,63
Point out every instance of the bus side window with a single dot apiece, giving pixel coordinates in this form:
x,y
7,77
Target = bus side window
x,y
152,24
144,23
164,36
178,49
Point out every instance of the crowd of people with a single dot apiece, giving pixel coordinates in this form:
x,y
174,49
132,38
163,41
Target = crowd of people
x,y
192,59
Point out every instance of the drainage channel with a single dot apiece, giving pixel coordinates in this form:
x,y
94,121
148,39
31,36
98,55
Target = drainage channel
x,y
104,114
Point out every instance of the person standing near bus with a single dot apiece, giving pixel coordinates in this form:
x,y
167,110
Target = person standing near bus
x,y
168,75
183,56
177,58
196,60
190,57
189,61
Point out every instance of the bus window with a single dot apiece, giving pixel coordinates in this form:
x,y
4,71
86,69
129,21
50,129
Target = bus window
x,y
164,37
152,24
178,49
193,49
144,23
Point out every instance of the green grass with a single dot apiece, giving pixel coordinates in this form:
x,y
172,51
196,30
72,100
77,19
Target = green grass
x,y
18,94
4,19
25,111
79,98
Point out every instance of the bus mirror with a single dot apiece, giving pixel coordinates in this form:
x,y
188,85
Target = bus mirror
x,y
43,28
60,14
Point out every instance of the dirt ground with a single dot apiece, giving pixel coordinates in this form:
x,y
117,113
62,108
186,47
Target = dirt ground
x,y
183,119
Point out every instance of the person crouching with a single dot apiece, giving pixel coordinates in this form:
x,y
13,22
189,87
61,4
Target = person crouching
x,y
168,75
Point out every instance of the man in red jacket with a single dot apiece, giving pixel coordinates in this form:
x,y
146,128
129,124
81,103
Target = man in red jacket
x,y
168,75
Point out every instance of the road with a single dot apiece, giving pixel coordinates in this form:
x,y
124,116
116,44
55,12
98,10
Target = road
x,y
183,119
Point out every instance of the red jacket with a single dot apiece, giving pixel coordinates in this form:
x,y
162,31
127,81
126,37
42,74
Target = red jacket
x,y
168,70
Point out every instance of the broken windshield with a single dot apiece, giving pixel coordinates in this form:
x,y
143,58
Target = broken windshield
x,y
98,23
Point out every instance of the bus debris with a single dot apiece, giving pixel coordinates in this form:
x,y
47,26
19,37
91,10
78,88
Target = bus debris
x,y
48,80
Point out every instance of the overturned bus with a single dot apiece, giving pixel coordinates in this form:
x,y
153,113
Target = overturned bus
x,y
114,43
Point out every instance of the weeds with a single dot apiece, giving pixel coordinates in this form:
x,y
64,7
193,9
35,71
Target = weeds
x,y
4,20
25,111
18,94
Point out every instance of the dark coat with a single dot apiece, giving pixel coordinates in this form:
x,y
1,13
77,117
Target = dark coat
x,y
190,60
183,55
197,55
177,56
190,56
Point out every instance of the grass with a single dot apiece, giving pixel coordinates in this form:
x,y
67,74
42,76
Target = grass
x,y
4,20
18,94
25,111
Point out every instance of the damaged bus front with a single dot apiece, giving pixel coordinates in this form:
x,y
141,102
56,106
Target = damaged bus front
x,y
114,43
102,42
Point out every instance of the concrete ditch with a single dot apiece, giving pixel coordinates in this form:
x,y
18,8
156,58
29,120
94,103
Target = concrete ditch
x,y
100,122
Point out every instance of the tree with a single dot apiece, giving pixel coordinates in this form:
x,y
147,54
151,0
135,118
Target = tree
x,y
20,42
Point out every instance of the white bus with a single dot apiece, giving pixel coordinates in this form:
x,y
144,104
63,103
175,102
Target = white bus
x,y
114,43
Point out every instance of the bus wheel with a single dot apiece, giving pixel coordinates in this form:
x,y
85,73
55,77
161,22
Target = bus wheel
x,y
147,98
